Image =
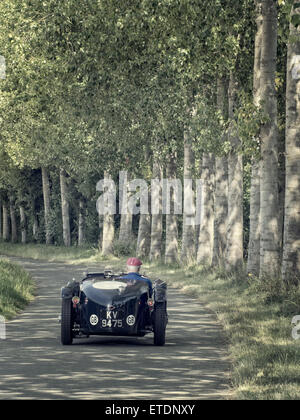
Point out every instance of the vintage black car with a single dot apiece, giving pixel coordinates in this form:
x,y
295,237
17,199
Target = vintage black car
x,y
106,304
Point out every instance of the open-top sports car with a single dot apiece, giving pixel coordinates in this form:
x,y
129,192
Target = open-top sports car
x,y
107,304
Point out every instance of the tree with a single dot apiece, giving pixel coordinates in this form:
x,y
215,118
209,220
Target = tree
x,y
125,233
156,213
65,208
5,218
144,231
291,247
143,240
47,206
23,224
13,219
188,248
171,253
221,189
206,233
1,219
108,226
253,262
269,204
234,234
81,222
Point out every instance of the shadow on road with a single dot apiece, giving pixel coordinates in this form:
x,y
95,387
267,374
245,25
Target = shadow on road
x,y
192,365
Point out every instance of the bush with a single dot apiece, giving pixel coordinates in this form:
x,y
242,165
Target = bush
x,y
121,249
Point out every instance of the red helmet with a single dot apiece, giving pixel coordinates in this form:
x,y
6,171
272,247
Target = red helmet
x,y
135,262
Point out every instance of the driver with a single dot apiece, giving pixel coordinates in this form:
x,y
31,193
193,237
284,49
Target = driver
x,y
133,269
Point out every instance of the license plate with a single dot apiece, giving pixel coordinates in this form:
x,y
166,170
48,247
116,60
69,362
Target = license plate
x,y
110,319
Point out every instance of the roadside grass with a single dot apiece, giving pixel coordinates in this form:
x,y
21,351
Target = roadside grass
x,y
16,289
47,252
255,315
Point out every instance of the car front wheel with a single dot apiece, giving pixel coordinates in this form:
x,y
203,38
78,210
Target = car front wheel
x,y
66,322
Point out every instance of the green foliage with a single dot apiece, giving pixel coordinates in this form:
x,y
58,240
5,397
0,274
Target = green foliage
x,y
273,290
91,225
94,86
249,119
16,289
120,249
295,20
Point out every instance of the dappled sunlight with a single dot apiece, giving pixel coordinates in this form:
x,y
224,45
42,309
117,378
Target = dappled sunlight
x,y
34,364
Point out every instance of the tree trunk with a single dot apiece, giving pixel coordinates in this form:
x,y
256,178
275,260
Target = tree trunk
x,y
234,246
144,233
144,240
221,192
108,232
13,219
198,167
81,223
125,233
291,249
269,203
35,227
47,207
188,248
1,221
35,220
171,253
5,216
100,237
65,210
156,214
220,210
206,235
23,225
253,262
281,198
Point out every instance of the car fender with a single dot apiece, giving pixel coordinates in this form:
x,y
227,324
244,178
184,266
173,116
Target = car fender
x,y
160,291
66,293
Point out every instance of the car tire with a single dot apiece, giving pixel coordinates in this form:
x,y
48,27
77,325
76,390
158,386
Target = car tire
x,y
159,324
66,322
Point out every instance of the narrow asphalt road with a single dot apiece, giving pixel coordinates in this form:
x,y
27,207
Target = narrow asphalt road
x,y
34,365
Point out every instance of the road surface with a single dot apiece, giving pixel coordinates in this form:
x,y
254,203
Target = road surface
x,y
34,365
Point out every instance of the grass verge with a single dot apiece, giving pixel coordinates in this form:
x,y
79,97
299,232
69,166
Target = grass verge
x,y
47,252
256,317
16,289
